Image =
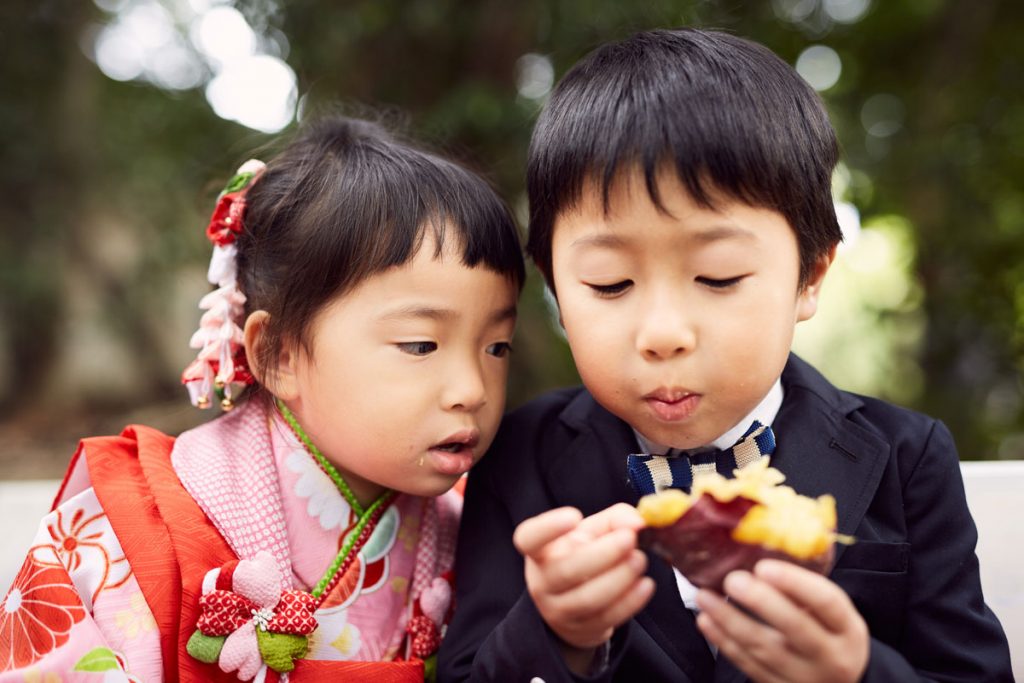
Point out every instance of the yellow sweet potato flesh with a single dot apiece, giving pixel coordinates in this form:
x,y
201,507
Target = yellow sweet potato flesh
x,y
744,519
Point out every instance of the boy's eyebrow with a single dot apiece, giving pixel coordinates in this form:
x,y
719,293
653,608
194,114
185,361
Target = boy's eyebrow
x,y
721,232
703,235
507,313
600,240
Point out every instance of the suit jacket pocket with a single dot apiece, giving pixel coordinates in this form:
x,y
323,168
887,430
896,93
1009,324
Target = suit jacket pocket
x,y
874,575
876,556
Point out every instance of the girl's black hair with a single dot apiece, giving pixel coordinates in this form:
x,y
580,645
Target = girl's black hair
x,y
347,199
726,114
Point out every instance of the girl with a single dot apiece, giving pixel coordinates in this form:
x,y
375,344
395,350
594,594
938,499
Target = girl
x,y
366,290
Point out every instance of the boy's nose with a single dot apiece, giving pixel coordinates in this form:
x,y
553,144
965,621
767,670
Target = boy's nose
x,y
664,332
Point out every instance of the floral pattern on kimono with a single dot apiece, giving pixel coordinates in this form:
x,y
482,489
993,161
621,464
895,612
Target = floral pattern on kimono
x,y
75,595
77,612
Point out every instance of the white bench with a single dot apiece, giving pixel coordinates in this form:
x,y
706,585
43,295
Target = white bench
x,y
22,504
995,491
995,495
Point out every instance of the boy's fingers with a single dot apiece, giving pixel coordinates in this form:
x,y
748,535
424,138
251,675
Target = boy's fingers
x,y
737,653
828,603
630,602
593,627
559,574
737,624
800,628
536,532
592,598
811,631
618,516
756,648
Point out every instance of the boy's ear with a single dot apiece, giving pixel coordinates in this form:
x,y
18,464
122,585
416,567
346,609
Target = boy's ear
x,y
278,375
807,299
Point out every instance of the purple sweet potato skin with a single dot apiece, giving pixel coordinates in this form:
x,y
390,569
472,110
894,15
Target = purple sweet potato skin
x,y
700,545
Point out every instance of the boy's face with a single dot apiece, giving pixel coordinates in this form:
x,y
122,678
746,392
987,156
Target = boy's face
x,y
679,322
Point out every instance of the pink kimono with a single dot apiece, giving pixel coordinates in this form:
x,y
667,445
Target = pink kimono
x,y
226,528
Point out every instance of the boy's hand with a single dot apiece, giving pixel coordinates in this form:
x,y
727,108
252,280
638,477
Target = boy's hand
x,y
810,631
585,576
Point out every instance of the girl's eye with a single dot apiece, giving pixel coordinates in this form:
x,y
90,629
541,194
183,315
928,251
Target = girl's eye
x,y
500,349
612,289
720,284
418,348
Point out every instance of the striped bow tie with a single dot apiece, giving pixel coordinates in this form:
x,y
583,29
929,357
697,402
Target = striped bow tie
x,y
651,473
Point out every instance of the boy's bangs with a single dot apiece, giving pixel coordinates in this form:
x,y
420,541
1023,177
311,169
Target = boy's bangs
x,y
727,115
715,141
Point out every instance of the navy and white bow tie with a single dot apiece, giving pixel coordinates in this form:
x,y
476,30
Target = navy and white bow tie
x,y
652,473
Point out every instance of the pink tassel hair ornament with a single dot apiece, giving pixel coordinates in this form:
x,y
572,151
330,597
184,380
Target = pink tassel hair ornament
x,y
221,361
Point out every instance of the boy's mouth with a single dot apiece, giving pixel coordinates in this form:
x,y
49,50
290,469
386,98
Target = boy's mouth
x,y
672,404
669,394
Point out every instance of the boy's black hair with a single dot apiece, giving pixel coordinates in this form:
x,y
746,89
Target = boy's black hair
x,y
347,199
727,114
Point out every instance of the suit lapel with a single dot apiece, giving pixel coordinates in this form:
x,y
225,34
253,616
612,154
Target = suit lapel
x,y
821,451
673,627
591,475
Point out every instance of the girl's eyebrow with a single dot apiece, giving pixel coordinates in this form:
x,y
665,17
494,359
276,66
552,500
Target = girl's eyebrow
x,y
418,311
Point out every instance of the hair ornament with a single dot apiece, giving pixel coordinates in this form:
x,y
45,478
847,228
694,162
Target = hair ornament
x,y
221,361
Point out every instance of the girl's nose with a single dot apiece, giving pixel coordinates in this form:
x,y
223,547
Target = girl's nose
x,y
465,388
665,330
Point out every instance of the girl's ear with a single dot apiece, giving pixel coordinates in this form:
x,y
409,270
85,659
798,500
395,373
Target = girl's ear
x,y
807,299
278,375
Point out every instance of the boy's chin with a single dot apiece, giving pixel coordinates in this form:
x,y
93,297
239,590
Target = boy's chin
x,y
683,437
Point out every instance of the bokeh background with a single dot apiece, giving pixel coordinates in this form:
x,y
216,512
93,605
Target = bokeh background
x,y
121,119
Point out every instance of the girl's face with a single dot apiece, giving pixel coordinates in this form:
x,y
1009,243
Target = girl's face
x,y
405,384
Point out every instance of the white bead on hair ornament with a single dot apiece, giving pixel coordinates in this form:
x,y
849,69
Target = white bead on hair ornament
x,y
221,362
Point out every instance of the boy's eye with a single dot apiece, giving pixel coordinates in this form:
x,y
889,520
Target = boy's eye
x,y
499,349
612,289
720,284
417,348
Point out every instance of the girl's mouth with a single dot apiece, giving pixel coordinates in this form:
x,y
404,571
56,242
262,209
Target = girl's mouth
x,y
452,447
454,455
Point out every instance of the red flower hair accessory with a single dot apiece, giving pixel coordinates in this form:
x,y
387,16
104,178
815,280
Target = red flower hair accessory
x,y
221,361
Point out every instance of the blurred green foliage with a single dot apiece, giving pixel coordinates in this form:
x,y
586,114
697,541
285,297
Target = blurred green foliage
x,y
107,184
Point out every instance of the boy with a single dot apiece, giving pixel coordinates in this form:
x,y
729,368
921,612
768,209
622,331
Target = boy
x,y
681,213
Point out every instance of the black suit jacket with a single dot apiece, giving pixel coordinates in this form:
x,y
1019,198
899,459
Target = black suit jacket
x,y
912,573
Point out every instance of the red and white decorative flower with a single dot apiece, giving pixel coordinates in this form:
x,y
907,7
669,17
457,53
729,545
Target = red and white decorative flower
x,y
246,621
226,221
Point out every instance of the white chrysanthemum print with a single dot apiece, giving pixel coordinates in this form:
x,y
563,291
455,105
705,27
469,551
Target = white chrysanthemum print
x,y
325,504
335,639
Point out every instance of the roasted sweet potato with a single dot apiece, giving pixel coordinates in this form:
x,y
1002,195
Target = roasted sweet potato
x,y
728,524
